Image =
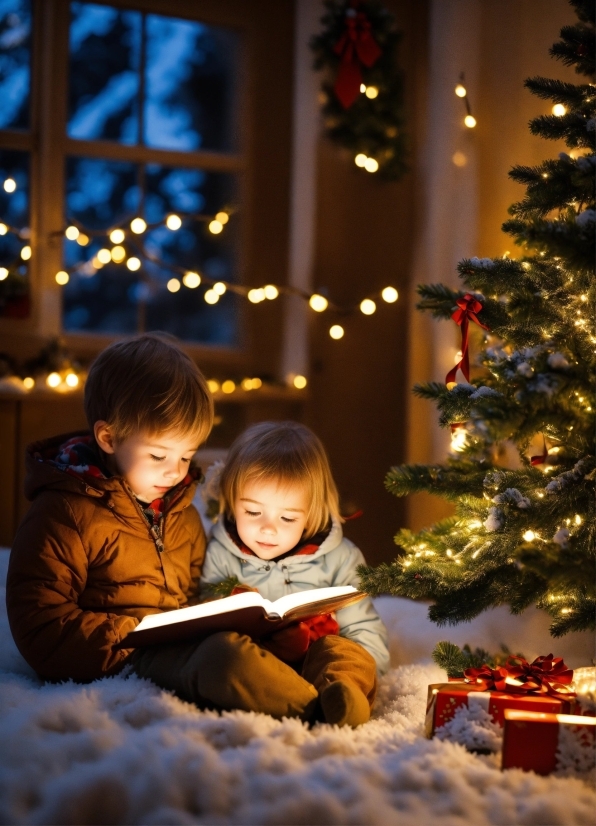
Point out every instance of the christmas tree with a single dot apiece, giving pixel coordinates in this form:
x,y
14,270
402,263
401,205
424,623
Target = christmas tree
x,y
524,532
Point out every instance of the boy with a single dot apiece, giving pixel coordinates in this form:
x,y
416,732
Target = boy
x,y
111,534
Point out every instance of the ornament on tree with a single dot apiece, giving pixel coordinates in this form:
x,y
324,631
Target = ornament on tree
x,y
467,308
362,88
523,534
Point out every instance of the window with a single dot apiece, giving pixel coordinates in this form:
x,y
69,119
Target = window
x,y
145,109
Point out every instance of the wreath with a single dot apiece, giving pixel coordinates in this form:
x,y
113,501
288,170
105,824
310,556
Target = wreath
x,y
363,87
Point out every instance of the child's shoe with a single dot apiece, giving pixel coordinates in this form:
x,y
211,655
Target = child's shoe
x,y
343,704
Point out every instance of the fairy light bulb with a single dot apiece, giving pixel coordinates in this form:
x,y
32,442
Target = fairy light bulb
x,y
559,110
62,278
211,297
222,217
26,252
138,226
336,332
362,88
390,295
3,273
228,386
133,264
460,91
300,382
53,380
104,256
117,236
470,121
215,226
3,229
83,239
118,254
28,383
256,295
72,233
360,159
219,287
318,303
577,519
10,185
173,285
191,280
173,222
371,165
271,291
529,536
72,380
213,385
368,306
372,92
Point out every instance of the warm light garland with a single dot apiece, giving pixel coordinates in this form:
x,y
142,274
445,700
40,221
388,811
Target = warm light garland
x,y
462,92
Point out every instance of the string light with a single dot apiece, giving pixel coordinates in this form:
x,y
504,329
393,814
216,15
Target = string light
x,y
116,236
368,306
72,233
104,256
318,303
10,185
228,386
118,254
133,264
336,331
211,297
3,273
390,295
26,252
459,439
460,91
62,278
53,380
300,382
271,291
559,110
173,285
529,536
256,295
371,92
28,383
213,385
371,165
72,379
138,226
3,229
215,226
360,159
219,287
190,280
222,217
470,121
578,519
82,239
173,222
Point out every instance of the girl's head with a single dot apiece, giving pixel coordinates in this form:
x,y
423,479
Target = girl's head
x,y
287,462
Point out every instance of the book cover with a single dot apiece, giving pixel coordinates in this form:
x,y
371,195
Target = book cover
x,y
247,613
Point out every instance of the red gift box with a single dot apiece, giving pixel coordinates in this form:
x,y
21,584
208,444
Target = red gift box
x,y
445,698
540,742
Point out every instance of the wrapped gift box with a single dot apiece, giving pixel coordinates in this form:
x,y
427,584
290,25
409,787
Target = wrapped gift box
x,y
445,698
541,742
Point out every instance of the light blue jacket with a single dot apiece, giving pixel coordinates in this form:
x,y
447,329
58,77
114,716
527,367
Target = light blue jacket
x,y
334,563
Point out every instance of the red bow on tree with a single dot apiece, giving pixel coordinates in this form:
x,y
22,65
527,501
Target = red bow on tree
x,y
468,306
356,46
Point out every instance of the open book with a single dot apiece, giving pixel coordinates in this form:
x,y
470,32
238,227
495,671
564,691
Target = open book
x,y
247,613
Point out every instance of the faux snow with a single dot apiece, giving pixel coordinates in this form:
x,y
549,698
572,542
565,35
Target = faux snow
x,y
122,751
472,726
512,496
557,361
495,519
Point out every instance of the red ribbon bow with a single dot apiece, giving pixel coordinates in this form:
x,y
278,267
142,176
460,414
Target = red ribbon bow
x,y
356,46
468,306
546,675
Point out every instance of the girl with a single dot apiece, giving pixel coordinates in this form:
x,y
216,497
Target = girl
x,y
278,532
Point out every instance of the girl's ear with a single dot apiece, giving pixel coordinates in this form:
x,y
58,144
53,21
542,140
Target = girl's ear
x,y
104,436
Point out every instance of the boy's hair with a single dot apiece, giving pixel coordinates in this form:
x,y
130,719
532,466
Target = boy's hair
x,y
288,453
148,384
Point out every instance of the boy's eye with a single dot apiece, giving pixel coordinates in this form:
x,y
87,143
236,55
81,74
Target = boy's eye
x,y
157,458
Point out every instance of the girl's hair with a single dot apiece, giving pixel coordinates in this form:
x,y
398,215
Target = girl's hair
x,y
287,453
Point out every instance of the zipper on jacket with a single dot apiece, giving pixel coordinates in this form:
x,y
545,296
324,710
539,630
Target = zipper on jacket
x,y
154,530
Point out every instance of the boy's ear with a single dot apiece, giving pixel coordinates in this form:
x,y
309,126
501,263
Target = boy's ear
x,y
104,436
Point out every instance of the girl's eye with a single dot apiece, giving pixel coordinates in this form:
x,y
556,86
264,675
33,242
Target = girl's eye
x,y
253,513
287,519
157,458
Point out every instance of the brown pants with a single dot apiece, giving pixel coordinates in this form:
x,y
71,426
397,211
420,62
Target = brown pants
x,y
230,671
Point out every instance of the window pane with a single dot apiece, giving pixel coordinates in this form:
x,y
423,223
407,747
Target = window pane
x,y
14,215
105,48
189,85
114,299
15,63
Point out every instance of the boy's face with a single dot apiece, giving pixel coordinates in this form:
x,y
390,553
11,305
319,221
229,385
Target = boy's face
x,y
270,520
151,464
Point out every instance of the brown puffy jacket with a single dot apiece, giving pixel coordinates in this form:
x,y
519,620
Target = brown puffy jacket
x,y
84,568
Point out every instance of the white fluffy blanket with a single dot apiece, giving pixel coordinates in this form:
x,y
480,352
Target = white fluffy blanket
x,y
121,751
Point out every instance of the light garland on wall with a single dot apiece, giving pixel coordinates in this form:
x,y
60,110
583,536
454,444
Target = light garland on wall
x,y
462,92
124,247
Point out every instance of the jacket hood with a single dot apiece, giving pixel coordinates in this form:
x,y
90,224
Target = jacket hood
x,y
333,539
48,468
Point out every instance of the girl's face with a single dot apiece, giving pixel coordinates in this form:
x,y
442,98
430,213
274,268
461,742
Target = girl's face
x,y
270,519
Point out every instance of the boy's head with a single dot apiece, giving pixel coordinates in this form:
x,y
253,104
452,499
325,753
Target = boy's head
x,y
149,408
284,468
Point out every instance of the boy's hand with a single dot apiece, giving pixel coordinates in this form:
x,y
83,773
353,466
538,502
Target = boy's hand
x,y
292,642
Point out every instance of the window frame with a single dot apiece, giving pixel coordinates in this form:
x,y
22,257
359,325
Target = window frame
x,y
263,242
